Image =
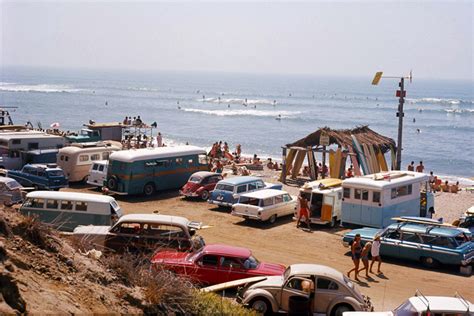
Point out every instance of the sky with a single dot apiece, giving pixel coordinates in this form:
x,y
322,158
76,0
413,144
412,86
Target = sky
x,y
343,38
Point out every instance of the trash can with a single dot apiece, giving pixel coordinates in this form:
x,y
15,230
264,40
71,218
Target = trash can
x,y
299,306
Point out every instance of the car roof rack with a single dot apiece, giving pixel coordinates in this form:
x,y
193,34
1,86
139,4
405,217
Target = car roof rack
x,y
463,301
423,299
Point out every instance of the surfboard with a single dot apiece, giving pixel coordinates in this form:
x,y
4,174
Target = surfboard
x,y
360,155
342,166
300,156
365,151
381,160
394,158
373,156
313,168
332,162
355,163
337,163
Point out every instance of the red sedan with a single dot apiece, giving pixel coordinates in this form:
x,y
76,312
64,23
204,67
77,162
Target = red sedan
x,y
215,264
200,184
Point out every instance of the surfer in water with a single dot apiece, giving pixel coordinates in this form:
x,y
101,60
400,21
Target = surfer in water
x,y
278,118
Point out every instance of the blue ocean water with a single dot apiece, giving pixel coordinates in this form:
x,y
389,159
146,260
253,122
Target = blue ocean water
x,y
201,108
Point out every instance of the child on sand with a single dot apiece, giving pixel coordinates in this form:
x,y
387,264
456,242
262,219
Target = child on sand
x,y
375,252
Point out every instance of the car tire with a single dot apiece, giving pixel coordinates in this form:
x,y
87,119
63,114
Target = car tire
x,y
261,305
112,183
204,195
272,219
338,310
149,189
429,262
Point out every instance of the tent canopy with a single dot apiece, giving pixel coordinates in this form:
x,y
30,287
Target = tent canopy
x,y
342,137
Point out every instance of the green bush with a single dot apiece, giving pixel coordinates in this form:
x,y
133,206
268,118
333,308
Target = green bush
x,y
213,304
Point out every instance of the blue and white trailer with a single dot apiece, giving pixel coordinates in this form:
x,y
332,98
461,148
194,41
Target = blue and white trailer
x,y
373,200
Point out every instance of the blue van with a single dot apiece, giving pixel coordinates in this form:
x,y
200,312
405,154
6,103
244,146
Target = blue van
x,y
228,191
422,240
145,171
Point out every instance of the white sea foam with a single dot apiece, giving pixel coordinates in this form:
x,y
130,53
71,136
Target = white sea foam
x,y
236,101
459,111
244,112
46,88
439,101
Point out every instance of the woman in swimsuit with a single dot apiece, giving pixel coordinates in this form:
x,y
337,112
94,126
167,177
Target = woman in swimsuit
x,y
365,258
356,250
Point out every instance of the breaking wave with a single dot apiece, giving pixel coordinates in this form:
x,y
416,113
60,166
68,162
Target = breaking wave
x,y
459,111
236,101
44,88
244,112
439,101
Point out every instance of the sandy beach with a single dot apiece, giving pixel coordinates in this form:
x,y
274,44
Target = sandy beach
x,y
284,243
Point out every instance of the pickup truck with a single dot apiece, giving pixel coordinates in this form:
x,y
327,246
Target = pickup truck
x,y
39,176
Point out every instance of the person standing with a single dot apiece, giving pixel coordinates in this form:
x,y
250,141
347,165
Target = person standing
x,y
365,259
159,140
356,250
375,252
303,211
420,167
411,166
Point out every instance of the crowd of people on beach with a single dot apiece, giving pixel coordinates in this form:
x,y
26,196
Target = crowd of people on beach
x,y
436,184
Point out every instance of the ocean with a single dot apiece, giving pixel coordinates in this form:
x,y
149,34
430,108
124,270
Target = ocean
x,y
201,108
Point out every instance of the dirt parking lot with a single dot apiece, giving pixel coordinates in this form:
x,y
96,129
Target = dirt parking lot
x,y
284,243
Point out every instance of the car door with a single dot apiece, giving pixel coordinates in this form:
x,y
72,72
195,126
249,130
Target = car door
x,y
326,291
123,237
293,287
230,269
410,246
207,272
390,243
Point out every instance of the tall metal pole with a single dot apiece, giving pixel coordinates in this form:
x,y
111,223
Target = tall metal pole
x,y
400,115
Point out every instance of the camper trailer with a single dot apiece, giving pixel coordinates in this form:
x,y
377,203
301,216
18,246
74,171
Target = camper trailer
x,y
77,159
373,200
325,199
20,147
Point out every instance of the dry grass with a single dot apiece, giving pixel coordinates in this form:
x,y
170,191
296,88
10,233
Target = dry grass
x,y
38,233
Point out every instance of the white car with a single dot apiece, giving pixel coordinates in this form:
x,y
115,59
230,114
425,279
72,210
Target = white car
x,y
421,305
264,205
98,173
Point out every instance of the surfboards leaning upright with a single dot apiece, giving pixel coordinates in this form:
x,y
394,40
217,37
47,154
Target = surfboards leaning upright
x,y
360,155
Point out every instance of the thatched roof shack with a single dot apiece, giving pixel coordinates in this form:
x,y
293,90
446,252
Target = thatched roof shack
x,y
343,138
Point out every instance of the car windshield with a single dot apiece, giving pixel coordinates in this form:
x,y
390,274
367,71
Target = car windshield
x,y
286,274
13,185
55,173
225,187
251,263
348,282
195,179
462,238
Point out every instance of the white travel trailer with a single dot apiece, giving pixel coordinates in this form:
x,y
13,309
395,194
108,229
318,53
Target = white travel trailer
x,y
76,160
373,200
14,146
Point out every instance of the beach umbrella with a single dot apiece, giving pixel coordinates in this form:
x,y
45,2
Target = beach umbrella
x,y
55,125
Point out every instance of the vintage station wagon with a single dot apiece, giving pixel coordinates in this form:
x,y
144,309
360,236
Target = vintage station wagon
x,y
429,242
228,191
264,205
142,233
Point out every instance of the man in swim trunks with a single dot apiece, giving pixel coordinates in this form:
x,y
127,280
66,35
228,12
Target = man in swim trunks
x,y
303,210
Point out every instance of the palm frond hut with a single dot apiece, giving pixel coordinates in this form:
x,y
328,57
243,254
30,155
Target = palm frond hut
x,y
365,147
